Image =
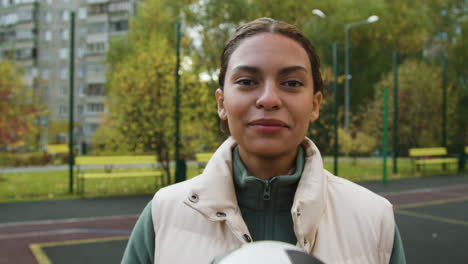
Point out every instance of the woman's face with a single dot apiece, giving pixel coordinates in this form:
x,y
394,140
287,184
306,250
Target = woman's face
x,y
268,98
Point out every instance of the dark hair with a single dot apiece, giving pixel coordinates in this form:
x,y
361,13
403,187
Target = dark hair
x,y
268,25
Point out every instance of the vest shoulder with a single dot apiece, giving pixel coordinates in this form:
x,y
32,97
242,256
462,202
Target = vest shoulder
x,y
175,191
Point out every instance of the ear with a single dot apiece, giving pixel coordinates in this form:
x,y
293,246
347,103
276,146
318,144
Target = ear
x,y
220,100
317,100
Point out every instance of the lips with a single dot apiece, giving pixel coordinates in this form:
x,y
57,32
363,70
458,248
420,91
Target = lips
x,y
267,122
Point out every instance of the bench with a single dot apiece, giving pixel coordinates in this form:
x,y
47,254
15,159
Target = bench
x,y
430,156
109,162
202,159
55,149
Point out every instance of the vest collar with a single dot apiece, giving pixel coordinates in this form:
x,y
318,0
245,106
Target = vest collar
x,y
213,193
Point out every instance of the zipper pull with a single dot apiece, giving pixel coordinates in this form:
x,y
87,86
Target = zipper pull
x,y
266,191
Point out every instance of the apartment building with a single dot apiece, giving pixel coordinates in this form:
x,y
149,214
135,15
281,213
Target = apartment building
x,y
36,35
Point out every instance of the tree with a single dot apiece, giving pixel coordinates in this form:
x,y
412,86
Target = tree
x,y
419,108
18,110
141,87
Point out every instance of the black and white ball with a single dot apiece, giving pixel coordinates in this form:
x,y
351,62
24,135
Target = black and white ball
x,y
271,252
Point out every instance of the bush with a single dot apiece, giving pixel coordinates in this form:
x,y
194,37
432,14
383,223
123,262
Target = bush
x,y
25,159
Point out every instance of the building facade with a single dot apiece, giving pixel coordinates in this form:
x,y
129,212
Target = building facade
x,y
36,35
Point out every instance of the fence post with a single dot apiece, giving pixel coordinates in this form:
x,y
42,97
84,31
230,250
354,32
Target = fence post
x,y
180,166
71,104
335,108
385,137
395,111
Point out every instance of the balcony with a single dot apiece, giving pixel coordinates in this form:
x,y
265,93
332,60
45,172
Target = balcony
x,y
120,6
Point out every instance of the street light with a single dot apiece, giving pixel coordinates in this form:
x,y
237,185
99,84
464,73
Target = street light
x,y
347,27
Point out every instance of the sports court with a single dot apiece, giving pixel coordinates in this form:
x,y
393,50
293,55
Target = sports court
x,y
431,212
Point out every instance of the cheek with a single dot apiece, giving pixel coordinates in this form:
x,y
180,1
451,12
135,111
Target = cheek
x,y
303,118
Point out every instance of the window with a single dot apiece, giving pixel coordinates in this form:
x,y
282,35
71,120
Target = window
x,y
23,1
95,69
24,53
62,110
48,17
65,34
48,35
64,74
79,109
119,6
96,89
91,128
24,34
97,28
96,47
63,90
45,74
44,54
64,15
8,19
97,9
80,52
118,26
63,53
7,36
7,53
95,108
5,3
82,13
81,90
25,16
80,71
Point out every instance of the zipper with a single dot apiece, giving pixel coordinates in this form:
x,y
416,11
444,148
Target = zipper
x,y
267,191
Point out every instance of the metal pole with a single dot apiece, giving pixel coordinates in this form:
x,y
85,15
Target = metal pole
x,y
71,104
347,77
395,111
335,110
444,101
180,163
385,137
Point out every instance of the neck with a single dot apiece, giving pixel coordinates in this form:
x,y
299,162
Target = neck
x,y
267,167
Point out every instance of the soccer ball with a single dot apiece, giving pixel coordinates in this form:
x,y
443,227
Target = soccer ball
x,y
271,252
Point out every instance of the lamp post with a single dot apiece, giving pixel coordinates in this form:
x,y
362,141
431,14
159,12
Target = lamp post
x,y
347,27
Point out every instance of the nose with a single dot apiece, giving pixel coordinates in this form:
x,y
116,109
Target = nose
x,y
269,98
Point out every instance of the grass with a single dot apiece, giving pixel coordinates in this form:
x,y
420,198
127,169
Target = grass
x,y
55,185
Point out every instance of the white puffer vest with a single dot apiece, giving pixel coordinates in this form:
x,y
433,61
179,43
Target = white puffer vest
x,y
334,219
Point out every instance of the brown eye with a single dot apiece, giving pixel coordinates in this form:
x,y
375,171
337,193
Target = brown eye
x,y
246,82
292,83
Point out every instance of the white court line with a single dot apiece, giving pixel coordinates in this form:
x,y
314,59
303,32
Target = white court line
x,y
68,231
39,233
424,190
64,221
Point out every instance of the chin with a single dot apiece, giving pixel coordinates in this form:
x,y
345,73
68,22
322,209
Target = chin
x,y
268,150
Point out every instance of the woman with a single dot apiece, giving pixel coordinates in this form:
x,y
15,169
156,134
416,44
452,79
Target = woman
x,y
266,181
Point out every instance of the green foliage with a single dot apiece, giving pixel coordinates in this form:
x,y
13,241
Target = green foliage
x,y
142,69
24,159
111,141
19,109
141,86
419,107
359,144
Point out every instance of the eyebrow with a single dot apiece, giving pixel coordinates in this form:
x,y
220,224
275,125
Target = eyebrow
x,y
253,69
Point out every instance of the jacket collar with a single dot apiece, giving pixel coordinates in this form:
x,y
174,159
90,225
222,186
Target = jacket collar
x,y
213,193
